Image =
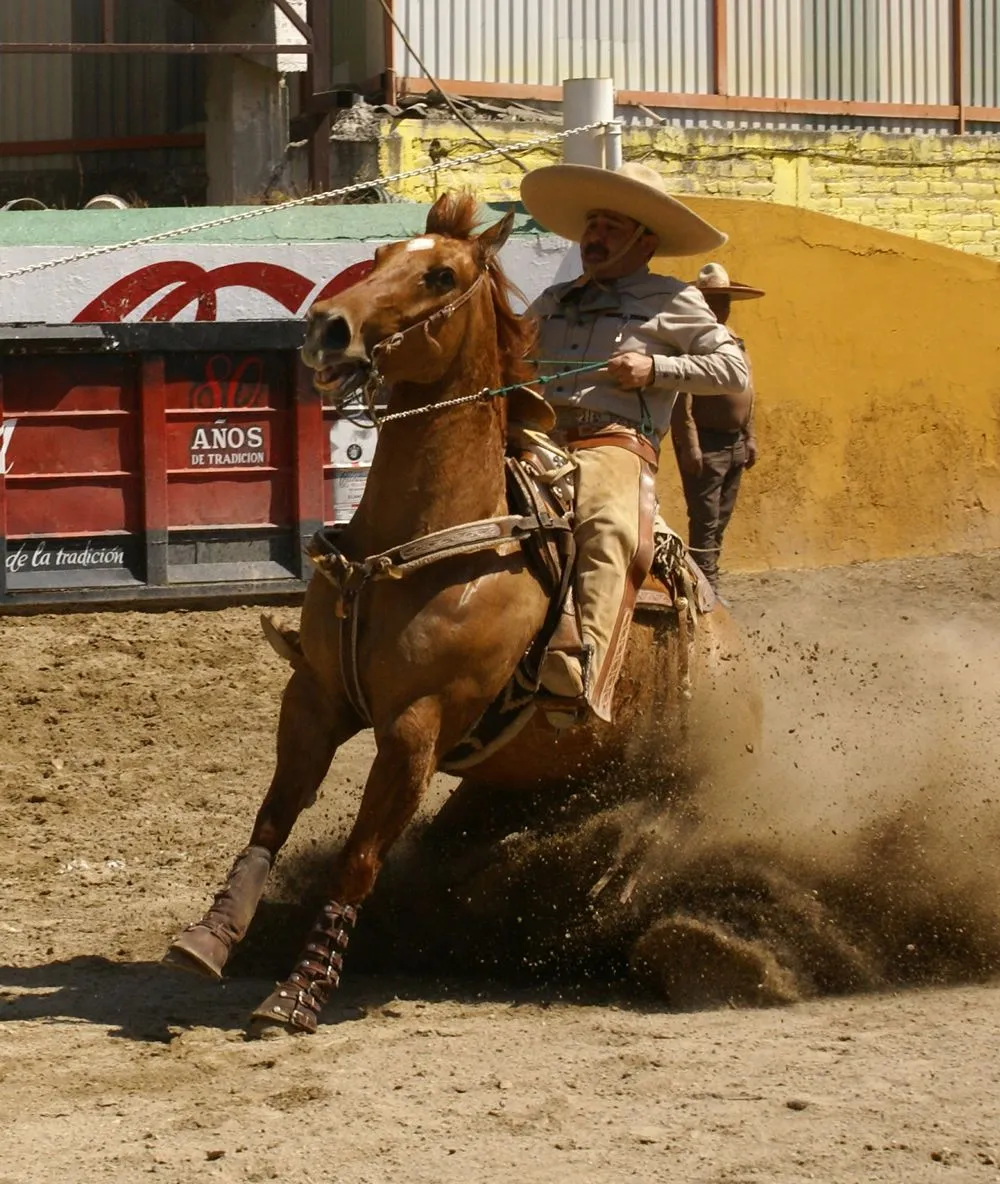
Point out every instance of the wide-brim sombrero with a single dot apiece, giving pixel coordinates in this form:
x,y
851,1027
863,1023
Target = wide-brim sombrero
x,y
713,278
560,196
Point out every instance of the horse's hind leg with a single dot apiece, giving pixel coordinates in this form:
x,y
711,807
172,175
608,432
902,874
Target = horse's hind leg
x,y
399,776
310,729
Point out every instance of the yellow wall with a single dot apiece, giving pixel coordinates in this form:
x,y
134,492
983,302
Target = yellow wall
x,y
877,361
943,189
876,356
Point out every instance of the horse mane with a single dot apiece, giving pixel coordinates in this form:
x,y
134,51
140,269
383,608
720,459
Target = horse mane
x,y
453,215
456,216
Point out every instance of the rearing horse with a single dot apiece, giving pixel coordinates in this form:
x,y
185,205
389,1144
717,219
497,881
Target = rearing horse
x,y
435,649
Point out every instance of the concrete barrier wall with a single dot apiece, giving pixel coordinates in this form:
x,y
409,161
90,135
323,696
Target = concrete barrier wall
x,y
271,265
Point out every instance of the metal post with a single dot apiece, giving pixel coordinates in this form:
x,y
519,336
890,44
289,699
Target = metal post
x,y
318,78
107,20
613,144
587,100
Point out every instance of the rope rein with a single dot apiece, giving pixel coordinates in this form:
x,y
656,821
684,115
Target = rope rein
x,y
483,396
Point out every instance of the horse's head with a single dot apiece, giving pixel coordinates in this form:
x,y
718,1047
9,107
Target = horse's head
x,y
413,312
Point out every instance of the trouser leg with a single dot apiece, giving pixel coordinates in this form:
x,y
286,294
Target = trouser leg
x,y
728,493
609,487
703,495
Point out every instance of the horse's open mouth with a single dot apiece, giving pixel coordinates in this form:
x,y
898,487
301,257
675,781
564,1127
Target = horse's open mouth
x,y
341,378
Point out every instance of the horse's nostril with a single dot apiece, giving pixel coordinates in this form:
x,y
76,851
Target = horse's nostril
x,y
337,335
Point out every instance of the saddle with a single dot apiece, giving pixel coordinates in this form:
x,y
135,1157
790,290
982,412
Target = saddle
x,y
540,492
540,474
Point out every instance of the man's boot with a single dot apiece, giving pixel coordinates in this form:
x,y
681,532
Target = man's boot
x,y
562,674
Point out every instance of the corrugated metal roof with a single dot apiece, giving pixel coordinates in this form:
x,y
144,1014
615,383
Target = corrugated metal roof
x,y
36,93
895,51
642,44
982,40
915,51
136,94
46,97
889,51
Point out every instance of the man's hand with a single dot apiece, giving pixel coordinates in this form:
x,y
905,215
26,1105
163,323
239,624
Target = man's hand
x,y
631,371
750,448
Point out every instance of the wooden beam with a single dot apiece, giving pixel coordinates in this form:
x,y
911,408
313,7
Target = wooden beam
x,y
45,47
958,62
748,104
108,144
317,78
720,46
389,89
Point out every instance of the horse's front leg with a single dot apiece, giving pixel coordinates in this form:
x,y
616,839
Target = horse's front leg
x,y
311,727
403,766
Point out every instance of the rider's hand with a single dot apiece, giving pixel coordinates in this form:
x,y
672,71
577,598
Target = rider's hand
x,y
631,371
750,447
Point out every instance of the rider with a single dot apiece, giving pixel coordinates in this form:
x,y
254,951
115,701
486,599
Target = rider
x,y
714,439
657,336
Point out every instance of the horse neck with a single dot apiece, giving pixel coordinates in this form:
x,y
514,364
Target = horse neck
x,y
440,468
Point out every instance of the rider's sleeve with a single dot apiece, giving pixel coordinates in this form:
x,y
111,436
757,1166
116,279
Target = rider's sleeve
x,y
704,357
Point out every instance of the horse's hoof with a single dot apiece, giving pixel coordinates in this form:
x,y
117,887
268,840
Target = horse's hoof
x,y
264,1029
283,1009
198,951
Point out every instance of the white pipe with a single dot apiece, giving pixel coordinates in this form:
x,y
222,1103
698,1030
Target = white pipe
x,y
587,100
613,144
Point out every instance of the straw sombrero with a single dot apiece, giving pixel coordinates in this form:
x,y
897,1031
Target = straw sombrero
x,y
713,277
560,196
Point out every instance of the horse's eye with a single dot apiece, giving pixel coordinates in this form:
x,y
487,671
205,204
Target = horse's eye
x,y
440,279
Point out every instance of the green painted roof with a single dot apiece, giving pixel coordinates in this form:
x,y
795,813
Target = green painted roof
x,y
306,224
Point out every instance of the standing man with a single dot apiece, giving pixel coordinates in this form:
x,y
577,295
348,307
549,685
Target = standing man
x,y
656,336
714,438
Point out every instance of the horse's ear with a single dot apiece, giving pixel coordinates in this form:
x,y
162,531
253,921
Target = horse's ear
x,y
494,237
437,212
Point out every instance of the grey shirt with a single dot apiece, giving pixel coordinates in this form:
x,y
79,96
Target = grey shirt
x,y
655,315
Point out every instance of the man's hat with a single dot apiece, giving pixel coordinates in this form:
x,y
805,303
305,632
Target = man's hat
x,y
560,196
713,277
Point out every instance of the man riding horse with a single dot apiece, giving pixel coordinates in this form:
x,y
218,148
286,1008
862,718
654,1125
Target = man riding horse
x,y
421,612
659,337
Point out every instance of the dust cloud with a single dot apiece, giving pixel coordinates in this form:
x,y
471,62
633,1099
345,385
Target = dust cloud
x,y
859,854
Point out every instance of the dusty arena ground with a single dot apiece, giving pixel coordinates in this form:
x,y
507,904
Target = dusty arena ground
x,y
855,874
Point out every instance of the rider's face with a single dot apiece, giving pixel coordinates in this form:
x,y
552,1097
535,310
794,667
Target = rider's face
x,y
605,235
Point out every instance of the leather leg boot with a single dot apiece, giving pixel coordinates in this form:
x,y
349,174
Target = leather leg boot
x,y
205,946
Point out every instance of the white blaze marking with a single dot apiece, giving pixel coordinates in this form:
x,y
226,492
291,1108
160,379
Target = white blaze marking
x,y
420,244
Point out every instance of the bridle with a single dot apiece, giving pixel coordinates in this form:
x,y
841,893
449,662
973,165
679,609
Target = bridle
x,y
373,389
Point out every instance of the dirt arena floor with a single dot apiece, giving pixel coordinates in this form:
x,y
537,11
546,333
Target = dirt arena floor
x,y
852,882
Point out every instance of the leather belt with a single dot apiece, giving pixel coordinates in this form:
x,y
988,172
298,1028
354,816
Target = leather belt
x,y
613,436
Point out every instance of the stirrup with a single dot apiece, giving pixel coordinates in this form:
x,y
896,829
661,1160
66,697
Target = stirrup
x,y
566,711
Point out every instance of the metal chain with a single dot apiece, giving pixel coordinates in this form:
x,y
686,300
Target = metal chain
x,y
311,199
482,396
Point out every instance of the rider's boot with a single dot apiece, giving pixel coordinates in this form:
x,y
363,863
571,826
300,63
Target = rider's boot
x,y
613,486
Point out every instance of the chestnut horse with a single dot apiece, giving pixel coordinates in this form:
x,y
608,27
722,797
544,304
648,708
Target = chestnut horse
x,y
434,649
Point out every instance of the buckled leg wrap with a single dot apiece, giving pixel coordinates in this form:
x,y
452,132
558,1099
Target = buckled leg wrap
x,y
298,1001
